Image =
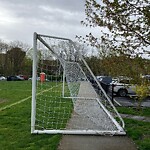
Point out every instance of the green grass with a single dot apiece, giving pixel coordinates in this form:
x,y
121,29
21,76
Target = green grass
x,y
15,131
15,121
13,91
134,111
57,111
140,133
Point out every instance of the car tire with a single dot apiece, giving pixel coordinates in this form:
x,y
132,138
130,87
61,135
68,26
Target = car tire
x,y
122,92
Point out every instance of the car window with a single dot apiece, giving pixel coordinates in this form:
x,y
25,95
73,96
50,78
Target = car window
x,y
124,81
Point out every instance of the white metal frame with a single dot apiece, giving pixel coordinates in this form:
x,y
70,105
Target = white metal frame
x,y
120,130
33,109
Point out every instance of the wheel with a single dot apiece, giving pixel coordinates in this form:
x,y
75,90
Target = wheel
x,y
122,92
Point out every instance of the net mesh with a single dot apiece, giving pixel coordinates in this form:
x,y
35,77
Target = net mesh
x,y
68,97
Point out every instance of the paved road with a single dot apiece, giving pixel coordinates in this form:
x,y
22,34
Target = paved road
x,y
127,101
87,142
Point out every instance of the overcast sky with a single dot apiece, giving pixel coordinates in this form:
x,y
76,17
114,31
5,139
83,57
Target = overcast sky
x,y
19,19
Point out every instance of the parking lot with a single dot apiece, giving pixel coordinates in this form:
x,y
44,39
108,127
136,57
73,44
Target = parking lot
x,y
131,101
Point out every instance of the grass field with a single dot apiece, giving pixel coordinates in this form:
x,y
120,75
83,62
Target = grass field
x,y
15,121
52,111
13,91
139,131
134,111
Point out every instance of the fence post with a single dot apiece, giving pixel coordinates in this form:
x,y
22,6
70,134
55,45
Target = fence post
x,y
112,96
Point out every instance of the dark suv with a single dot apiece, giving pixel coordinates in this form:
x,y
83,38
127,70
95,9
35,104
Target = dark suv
x,y
14,78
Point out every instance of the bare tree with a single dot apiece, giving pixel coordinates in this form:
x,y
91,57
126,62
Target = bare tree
x,y
25,47
4,47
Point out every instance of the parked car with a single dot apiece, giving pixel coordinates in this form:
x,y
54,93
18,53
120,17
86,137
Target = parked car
x,y
105,82
147,77
38,79
2,78
14,78
122,87
24,76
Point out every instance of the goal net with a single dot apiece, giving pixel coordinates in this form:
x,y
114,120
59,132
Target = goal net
x,y
66,96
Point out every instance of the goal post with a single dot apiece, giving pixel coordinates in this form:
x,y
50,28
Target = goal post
x,y
34,70
66,96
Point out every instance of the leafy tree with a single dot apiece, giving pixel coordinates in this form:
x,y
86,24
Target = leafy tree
x,y
124,24
142,91
95,65
12,58
15,58
122,65
124,35
26,68
126,66
4,47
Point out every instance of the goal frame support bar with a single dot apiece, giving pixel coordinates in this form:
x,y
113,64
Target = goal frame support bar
x,y
79,132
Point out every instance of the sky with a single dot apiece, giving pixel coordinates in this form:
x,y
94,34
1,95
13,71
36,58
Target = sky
x,y
19,19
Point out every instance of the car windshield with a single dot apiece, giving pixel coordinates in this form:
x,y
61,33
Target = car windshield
x,y
125,81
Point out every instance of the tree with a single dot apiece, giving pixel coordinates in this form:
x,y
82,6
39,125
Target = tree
x,y
15,58
68,51
95,65
142,91
124,24
4,47
124,34
25,47
12,58
26,68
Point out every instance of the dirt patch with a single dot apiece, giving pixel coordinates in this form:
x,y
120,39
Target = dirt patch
x,y
3,101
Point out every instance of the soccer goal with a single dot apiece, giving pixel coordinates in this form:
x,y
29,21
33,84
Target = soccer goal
x,y
66,96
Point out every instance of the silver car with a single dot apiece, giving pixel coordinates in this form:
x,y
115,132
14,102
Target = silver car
x,y
122,87
2,78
